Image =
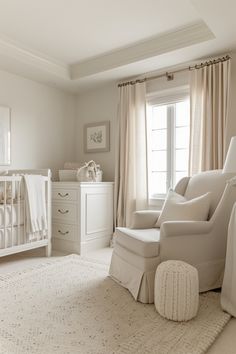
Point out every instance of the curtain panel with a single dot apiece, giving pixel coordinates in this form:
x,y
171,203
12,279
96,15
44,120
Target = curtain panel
x,y
209,101
131,153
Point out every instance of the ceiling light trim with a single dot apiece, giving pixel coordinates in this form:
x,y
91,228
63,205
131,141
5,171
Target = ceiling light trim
x,y
182,37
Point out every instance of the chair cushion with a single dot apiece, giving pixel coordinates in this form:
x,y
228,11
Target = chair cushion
x,y
178,208
144,242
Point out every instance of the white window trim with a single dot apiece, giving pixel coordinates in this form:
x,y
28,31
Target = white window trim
x,y
168,97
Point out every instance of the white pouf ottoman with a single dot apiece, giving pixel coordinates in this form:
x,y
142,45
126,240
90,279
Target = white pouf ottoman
x,y
176,293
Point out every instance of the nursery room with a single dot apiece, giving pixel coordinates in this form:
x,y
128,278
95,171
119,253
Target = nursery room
x,y
117,177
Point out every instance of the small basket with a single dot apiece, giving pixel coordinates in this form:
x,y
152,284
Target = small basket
x,y
67,175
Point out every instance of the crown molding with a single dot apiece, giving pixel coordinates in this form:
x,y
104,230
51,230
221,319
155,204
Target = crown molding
x,y
16,52
34,65
169,41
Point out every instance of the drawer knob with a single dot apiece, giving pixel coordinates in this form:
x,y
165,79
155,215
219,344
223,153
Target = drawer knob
x,y
63,211
63,195
63,233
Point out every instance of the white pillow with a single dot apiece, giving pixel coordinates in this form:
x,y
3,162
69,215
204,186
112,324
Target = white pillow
x,y
177,208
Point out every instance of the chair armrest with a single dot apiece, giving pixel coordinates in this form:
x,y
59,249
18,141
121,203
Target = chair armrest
x,y
144,219
183,228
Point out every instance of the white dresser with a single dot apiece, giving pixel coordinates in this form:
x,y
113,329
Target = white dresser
x,y
82,215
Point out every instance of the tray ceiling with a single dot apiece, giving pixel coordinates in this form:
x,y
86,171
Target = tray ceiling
x,y
73,43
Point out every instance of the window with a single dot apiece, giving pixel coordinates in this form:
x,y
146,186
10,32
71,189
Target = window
x,y
168,143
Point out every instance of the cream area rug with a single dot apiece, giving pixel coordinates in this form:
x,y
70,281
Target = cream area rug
x,y
71,306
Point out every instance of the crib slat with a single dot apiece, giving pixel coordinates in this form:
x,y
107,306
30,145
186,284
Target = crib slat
x,y
24,217
4,207
11,214
18,212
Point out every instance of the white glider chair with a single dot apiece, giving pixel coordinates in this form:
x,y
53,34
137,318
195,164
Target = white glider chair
x,y
138,250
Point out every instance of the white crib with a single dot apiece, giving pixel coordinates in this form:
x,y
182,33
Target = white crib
x,y
13,235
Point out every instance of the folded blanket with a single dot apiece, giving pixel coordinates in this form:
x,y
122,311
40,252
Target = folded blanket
x,y
36,216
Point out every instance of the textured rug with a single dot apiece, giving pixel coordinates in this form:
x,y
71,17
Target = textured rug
x,y
71,306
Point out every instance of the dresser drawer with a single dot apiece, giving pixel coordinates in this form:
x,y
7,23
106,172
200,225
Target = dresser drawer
x,y
64,211
64,194
64,231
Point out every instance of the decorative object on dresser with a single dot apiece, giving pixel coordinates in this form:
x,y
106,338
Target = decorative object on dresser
x,y
82,215
87,172
67,175
97,137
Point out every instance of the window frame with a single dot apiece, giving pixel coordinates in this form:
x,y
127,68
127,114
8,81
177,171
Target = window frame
x,y
169,98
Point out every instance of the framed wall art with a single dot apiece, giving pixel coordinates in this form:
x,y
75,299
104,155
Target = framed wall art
x,y
97,137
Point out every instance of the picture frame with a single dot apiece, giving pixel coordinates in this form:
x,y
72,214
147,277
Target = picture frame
x,y
97,137
5,136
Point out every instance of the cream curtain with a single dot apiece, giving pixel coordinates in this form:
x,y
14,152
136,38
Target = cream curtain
x,y
131,156
209,100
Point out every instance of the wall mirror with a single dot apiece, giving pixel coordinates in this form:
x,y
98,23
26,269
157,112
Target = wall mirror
x,y
5,136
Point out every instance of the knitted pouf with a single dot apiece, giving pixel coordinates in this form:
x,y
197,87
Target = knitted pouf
x,y
176,294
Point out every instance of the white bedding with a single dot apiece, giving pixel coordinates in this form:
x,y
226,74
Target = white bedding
x,y
11,211
12,237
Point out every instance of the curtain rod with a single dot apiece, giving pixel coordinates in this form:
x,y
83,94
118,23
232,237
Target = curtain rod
x,y
170,75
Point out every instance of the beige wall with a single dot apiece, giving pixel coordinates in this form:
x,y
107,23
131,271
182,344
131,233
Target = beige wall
x,y
42,123
96,106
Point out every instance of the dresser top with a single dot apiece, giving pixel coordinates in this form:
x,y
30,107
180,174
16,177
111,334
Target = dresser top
x,y
77,184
